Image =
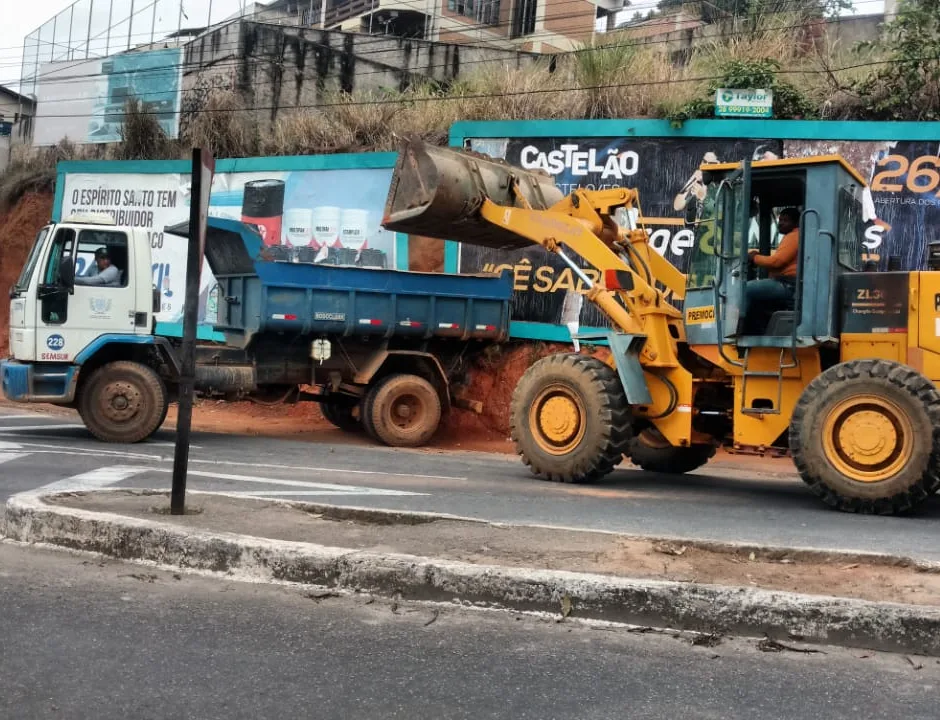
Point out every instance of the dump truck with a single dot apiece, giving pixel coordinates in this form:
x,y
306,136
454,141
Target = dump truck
x,y
382,346
841,375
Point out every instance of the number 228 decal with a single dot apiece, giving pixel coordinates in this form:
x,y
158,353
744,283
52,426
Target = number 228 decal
x,y
55,342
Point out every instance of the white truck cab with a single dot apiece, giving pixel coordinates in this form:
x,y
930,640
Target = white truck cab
x,y
71,333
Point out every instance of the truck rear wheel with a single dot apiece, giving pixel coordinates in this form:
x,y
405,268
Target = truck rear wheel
x,y
402,411
340,414
652,452
123,402
865,436
570,418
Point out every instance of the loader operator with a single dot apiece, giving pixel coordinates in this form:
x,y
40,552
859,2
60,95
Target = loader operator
x,y
775,292
107,274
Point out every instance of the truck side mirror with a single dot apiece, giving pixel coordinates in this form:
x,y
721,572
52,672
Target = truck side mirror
x,y
67,273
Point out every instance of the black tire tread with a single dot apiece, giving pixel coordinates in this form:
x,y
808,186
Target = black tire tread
x,y
610,443
148,377
368,412
900,376
672,460
340,415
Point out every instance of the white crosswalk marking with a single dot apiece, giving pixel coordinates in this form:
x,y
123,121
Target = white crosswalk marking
x,y
309,488
21,428
102,477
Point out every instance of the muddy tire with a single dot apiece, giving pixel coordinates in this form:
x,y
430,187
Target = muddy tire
x,y
865,437
570,419
341,415
402,411
123,402
650,451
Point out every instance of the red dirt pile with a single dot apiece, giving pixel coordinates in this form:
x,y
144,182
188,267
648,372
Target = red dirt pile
x,y
18,228
491,380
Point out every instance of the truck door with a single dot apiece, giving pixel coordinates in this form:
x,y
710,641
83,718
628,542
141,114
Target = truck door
x,y
71,316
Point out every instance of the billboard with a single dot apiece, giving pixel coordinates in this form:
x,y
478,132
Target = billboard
x,y
317,216
904,215
84,100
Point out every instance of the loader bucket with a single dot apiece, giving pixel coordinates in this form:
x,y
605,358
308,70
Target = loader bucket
x,y
437,192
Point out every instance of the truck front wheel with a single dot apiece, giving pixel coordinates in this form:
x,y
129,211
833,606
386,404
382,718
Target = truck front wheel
x,y
123,402
402,411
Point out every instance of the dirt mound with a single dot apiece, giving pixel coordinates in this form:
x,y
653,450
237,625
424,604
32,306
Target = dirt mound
x,y
18,228
492,380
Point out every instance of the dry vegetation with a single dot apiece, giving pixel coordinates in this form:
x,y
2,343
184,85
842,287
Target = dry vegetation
x,y
618,77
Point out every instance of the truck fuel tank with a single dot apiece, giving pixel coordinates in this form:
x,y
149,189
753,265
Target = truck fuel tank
x,y
437,192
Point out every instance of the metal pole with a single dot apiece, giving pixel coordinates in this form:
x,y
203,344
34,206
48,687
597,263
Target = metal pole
x,y
153,23
91,14
71,54
130,26
194,257
107,47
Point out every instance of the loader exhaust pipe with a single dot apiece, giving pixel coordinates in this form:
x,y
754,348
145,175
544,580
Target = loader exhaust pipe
x,y
437,192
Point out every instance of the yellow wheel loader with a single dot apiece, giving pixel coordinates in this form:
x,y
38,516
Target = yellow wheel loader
x,y
840,371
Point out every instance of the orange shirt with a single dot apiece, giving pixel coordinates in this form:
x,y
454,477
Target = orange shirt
x,y
783,261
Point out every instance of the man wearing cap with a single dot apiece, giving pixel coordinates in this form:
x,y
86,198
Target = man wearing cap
x,y
107,275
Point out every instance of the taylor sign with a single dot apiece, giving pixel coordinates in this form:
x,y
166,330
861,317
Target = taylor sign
x,y
744,103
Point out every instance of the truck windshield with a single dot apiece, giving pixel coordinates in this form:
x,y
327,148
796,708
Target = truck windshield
x,y
26,275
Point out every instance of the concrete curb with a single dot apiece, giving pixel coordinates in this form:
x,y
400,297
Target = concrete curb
x,y
684,606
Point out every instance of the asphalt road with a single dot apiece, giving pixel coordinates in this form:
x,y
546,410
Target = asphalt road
x,y
97,639
717,503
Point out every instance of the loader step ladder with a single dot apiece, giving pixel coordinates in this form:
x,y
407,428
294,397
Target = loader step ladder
x,y
782,365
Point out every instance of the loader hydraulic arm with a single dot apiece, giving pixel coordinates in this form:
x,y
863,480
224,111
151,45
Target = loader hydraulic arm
x,y
628,293
465,197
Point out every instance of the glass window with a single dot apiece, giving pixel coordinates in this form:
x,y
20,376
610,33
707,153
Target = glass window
x,y
89,241
851,227
483,11
523,18
63,245
22,284
708,232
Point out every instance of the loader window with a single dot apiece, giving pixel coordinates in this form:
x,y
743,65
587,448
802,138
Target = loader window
x,y
851,228
704,262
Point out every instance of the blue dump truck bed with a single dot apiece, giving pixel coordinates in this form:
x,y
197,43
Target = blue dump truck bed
x,y
258,294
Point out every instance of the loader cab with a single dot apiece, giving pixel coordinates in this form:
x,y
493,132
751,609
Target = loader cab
x,y
741,212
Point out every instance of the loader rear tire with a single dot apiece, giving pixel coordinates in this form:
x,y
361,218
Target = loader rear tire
x,y
570,418
865,437
402,411
123,402
341,415
653,453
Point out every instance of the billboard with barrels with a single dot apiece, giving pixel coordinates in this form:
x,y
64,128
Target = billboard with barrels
x,y
318,216
902,209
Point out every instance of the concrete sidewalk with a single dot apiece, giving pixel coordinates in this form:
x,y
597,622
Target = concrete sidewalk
x,y
871,601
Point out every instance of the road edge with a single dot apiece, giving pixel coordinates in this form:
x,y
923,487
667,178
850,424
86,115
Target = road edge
x,y
782,616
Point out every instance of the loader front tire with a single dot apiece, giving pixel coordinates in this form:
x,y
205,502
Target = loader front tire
x,y
570,419
123,402
652,452
865,437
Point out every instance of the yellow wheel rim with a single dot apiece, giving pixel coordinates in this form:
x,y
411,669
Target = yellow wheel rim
x,y
557,419
868,438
